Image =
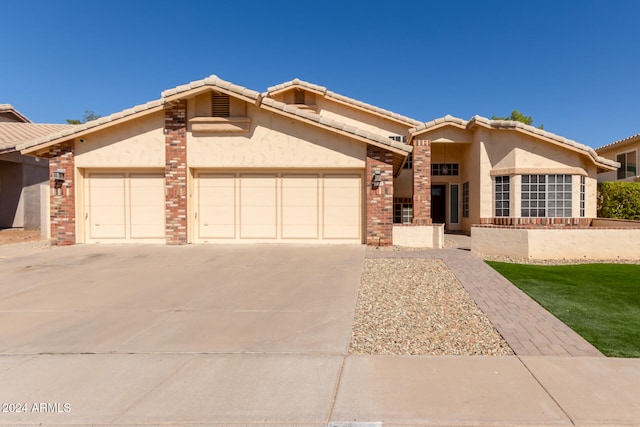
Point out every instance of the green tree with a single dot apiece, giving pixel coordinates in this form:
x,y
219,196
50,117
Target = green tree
x,y
87,117
517,116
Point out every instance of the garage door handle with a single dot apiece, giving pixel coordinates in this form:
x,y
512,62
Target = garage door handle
x,y
196,215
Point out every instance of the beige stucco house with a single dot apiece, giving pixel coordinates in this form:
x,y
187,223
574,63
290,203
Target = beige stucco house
x,y
21,176
213,162
625,152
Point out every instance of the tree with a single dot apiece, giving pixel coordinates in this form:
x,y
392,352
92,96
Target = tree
x,y
87,117
517,116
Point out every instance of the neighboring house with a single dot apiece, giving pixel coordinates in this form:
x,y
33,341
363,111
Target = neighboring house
x,y
20,175
215,162
625,152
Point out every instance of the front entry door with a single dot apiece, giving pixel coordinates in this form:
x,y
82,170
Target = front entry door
x,y
438,204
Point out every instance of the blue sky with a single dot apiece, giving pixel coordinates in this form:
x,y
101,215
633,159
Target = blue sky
x,y
572,65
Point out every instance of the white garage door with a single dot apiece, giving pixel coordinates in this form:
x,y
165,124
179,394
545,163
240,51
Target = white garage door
x,y
269,207
124,207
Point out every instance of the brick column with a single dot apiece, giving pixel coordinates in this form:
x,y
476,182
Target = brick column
x,y
422,182
175,132
380,199
62,205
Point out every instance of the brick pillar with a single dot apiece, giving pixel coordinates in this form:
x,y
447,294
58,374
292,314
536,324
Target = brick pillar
x,y
380,199
422,182
175,132
62,204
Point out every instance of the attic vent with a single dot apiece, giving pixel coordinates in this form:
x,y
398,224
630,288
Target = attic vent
x,y
298,96
219,105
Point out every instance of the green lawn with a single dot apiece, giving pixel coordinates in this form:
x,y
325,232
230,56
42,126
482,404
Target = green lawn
x,y
601,302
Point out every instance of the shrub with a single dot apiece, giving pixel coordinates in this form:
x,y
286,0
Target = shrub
x,y
619,200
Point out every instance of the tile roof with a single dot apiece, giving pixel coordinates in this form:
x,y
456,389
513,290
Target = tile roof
x,y
214,81
13,134
8,108
619,142
510,124
341,98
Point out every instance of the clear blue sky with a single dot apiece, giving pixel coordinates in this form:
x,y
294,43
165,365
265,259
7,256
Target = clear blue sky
x,y
572,65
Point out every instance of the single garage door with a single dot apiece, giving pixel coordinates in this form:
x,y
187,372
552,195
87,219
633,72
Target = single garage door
x,y
124,207
267,207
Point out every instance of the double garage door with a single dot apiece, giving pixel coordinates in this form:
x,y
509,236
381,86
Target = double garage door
x,y
228,207
267,207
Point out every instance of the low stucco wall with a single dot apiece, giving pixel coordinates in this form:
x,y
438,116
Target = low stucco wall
x,y
557,243
422,236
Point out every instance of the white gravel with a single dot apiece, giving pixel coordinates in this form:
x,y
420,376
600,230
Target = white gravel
x,y
418,307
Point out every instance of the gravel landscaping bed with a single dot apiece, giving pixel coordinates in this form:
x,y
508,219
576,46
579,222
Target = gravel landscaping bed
x,y
418,307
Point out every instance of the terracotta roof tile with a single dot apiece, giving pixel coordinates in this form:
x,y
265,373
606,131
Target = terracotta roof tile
x,y
620,142
8,108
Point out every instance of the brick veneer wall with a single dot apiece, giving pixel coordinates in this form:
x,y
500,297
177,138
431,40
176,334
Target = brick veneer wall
x,y
380,199
422,182
176,172
62,199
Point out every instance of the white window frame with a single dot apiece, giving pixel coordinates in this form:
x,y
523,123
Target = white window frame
x,y
499,193
622,172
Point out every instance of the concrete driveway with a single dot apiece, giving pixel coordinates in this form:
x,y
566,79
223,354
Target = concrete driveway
x,y
199,299
222,333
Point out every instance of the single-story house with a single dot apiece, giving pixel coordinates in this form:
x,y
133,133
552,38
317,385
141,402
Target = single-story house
x,y
21,176
625,152
213,162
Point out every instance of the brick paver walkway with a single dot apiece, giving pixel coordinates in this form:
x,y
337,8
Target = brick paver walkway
x,y
528,328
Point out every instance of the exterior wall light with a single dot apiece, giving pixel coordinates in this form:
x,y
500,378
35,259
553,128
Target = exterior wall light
x,y
376,180
58,175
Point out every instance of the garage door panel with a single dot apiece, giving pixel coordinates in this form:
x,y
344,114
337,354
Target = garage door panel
x,y
342,201
258,207
124,207
300,207
107,210
216,207
147,206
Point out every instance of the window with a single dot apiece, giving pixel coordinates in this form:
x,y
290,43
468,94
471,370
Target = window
x,y
582,196
445,169
465,200
409,163
402,210
628,165
220,105
546,196
502,196
454,192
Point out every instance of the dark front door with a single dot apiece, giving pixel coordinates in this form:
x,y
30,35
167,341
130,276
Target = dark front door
x,y
438,204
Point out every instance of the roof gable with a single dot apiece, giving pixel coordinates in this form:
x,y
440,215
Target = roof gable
x,y
479,121
215,83
336,97
8,110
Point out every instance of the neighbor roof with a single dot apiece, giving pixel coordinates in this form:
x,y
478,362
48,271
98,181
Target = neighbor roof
x,y
321,90
510,124
8,108
208,83
13,134
623,141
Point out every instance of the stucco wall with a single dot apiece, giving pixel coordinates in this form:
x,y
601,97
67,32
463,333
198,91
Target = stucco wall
x,y
423,236
557,243
274,141
138,143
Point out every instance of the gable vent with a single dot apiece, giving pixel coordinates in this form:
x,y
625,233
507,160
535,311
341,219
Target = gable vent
x,y
219,105
298,96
